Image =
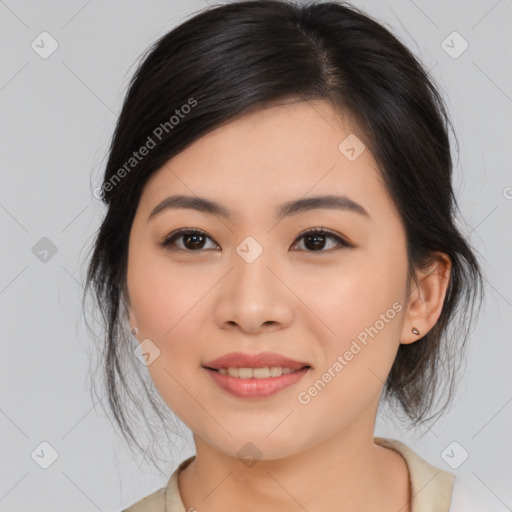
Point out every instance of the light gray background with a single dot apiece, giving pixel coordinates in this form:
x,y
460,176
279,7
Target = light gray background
x,y
57,117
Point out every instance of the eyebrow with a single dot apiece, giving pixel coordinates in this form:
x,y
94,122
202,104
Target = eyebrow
x,y
200,204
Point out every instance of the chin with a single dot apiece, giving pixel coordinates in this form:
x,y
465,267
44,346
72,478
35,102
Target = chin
x,y
251,448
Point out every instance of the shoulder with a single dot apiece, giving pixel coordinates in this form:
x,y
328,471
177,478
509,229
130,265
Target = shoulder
x,y
166,499
436,489
431,487
154,502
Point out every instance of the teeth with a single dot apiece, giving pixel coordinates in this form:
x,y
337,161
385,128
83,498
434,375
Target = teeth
x,y
244,373
261,373
275,371
257,373
233,372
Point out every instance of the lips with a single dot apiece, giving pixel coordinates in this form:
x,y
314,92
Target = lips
x,y
255,388
261,360
247,386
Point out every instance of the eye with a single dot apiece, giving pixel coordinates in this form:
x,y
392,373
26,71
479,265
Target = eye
x,y
316,238
194,240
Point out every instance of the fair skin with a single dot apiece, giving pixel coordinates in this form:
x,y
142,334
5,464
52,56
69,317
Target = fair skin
x,y
303,303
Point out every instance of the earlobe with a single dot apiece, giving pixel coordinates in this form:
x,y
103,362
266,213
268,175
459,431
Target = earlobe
x,y
426,299
132,321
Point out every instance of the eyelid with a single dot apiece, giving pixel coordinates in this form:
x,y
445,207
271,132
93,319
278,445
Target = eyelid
x,y
170,239
342,240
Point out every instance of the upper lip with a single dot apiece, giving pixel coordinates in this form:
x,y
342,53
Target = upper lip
x,y
241,360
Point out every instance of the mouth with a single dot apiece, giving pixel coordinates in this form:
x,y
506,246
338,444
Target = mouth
x,y
263,372
255,375
259,382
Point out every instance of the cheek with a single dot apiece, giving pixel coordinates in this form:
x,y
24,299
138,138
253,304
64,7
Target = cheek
x,y
163,295
167,304
362,290
360,305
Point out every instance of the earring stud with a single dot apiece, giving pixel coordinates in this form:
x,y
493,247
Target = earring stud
x,y
135,331
415,331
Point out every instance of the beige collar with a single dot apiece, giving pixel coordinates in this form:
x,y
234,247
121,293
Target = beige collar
x,y
431,487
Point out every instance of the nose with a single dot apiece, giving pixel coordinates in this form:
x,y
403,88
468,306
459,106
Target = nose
x,y
254,296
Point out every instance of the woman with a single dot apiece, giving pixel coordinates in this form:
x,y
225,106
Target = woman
x,y
280,240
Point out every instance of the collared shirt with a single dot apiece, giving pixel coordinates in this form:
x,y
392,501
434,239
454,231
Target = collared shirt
x,y
431,488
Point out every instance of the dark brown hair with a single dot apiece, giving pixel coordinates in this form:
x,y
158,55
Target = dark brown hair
x,y
229,60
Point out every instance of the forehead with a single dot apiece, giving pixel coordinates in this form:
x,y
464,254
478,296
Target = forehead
x,y
272,155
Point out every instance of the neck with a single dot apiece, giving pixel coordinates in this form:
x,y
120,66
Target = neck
x,y
347,471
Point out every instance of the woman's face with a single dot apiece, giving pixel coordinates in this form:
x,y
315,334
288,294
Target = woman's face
x,y
251,283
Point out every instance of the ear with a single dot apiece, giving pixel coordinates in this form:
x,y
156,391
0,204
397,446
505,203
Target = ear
x,y
130,316
426,298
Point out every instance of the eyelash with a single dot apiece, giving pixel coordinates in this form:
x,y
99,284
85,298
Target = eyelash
x,y
171,239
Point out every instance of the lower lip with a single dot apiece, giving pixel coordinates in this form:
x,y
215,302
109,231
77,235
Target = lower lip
x,y
255,388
